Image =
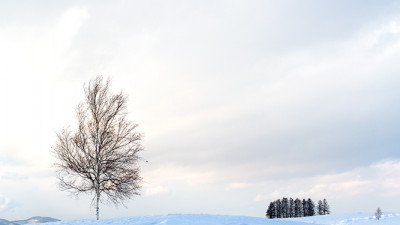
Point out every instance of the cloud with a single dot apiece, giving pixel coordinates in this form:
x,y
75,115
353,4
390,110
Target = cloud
x,y
322,102
253,114
379,179
4,201
263,198
67,27
233,186
159,190
13,176
170,173
300,93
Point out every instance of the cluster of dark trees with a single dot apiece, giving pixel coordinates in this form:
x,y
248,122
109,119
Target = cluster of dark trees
x,y
289,208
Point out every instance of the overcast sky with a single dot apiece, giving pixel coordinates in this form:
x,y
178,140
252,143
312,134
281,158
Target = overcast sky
x,y
240,102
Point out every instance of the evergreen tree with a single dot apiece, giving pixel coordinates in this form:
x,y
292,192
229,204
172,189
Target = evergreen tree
x,y
320,208
285,208
378,213
273,210
326,208
305,208
291,208
298,208
278,208
270,211
311,207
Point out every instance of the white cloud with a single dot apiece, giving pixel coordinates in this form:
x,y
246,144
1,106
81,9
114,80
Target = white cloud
x,y
68,26
218,107
159,190
264,198
32,92
4,201
190,175
380,179
311,102
232,186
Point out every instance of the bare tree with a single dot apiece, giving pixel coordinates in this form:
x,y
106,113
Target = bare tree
x,y
101,156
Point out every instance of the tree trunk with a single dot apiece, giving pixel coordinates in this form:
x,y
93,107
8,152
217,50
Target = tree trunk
x,y
97,205
97,177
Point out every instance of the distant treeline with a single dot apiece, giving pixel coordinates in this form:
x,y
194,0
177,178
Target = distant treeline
x,y
289,208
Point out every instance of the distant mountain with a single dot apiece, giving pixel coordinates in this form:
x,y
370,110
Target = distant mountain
x,y
6,222
36,219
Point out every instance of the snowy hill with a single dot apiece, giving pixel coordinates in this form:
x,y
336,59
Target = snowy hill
x,y
182,219
351,219
194,219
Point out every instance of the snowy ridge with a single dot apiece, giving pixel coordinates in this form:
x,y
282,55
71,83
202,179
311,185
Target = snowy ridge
x,y
203,219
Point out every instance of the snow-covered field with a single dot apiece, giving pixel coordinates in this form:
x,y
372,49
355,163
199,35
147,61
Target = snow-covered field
x,y
200,219
351,219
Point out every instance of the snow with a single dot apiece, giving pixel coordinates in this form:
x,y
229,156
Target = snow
x,y
182,219
351,219
203,219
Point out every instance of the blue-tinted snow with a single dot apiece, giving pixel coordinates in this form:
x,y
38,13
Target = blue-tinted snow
x,y
202,219
351,219
182,219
